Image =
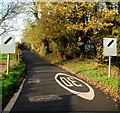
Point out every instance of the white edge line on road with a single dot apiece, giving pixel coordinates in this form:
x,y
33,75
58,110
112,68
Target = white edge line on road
x,y
13,99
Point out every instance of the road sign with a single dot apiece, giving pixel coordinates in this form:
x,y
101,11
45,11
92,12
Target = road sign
x,y
7,44
109,49
109,46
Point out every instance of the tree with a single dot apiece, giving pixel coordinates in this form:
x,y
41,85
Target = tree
x,y
8,11
69,25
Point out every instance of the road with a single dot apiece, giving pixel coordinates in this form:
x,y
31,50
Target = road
x,y
50,88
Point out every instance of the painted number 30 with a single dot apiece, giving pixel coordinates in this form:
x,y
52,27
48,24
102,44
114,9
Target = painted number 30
x,y
68,81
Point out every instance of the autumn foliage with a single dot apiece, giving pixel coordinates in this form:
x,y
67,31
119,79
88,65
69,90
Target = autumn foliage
x,y
73,29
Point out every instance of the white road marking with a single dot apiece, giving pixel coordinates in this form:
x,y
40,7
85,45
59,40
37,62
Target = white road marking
x,y
44,98
74,82
86,95
33,81
66,82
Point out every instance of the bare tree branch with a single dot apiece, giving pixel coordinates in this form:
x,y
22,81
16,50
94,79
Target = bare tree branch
x,y
8,11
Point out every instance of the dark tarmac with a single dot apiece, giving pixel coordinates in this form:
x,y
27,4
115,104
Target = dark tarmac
x,y
42,93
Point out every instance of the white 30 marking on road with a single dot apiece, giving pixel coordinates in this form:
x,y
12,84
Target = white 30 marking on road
x,y
70,83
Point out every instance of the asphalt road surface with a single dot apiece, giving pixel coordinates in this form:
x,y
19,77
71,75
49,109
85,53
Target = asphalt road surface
x,y
49,88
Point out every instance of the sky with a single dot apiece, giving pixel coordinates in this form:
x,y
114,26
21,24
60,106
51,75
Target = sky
x,y
17,23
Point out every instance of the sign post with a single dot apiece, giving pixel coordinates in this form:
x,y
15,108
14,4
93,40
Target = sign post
x,y
109,72
7,47
109,49
8,62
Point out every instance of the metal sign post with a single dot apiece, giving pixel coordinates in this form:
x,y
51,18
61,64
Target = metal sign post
x,y
109,49
109,72
8,62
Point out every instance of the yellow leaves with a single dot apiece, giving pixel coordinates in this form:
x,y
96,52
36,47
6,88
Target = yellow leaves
x,y
108,14
79,26
91,23
80,43
103,25
112,11
68,28
105,10
106,59
80,14
107,24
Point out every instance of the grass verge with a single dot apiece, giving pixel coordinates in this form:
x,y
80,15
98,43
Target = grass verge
x,y
11,81
95,73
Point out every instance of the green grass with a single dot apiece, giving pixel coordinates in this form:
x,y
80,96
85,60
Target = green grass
x,y
3,57
90,68
14,77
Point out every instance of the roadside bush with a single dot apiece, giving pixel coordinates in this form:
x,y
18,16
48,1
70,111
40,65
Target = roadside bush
x,y
10,81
